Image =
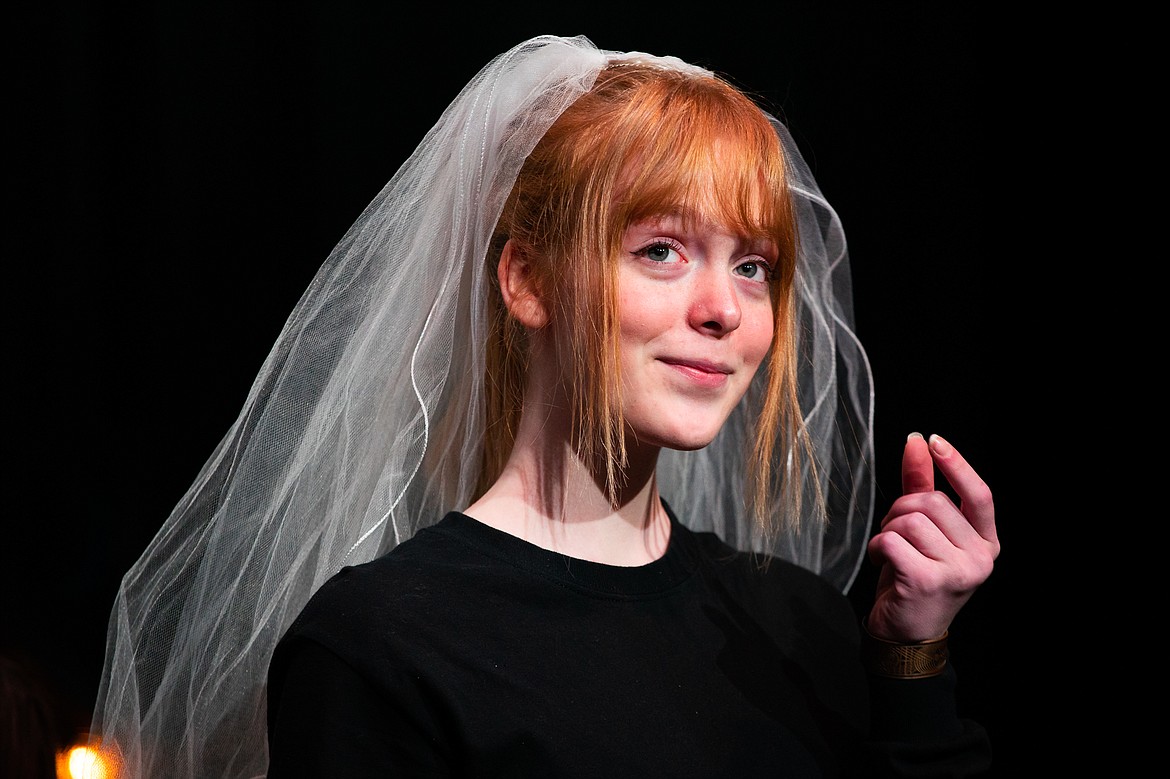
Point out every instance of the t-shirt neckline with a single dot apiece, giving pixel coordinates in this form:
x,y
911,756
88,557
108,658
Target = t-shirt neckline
x,y
658,577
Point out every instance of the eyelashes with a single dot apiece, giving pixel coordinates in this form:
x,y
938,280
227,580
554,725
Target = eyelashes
x,y
757,270
666,251
661,251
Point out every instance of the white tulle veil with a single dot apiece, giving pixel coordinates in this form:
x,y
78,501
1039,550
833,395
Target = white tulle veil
x,y
380,363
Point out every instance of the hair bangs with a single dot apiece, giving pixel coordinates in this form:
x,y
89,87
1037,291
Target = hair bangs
x,y
722,162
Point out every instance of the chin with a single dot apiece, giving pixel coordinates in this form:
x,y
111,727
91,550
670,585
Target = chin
x,y
683,440
672,425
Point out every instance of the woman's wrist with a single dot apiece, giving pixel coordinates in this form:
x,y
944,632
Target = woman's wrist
x,y
910,660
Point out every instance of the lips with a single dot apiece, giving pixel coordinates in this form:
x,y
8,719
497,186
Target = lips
x,y
703,366
700,372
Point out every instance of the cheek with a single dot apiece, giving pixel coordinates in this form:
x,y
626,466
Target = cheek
x,y
642,315
757,332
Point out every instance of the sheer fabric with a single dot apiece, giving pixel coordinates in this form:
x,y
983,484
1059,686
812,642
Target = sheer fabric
x,y
366,422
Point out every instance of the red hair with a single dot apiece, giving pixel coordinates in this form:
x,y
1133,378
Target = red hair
x,y
643,142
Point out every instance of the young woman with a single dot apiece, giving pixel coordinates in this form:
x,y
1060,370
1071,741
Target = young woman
x,y
558,469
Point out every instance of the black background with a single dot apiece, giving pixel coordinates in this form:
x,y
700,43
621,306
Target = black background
x,y
183,168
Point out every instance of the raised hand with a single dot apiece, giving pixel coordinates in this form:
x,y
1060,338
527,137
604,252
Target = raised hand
x,y
931,554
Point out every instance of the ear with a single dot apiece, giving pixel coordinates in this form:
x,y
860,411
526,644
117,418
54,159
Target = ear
x,y
518,288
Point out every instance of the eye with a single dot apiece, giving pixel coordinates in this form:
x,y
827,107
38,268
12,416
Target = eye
x,y
661,251
756,270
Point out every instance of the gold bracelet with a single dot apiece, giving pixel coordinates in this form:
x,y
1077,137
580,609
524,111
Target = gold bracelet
x,y
919,660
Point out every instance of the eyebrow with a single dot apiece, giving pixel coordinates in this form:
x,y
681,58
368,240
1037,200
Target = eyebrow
x,y
689,223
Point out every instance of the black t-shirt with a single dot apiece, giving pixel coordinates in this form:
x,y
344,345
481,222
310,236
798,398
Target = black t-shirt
x,y
468,652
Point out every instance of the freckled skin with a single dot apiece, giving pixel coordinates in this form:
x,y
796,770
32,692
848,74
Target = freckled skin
x,y
696,322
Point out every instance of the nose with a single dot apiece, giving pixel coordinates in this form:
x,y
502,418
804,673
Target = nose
x,y
715,307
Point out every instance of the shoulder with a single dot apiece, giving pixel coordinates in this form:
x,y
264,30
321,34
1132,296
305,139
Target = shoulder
x,y
755,570
388,594
792,611
774,584
760,566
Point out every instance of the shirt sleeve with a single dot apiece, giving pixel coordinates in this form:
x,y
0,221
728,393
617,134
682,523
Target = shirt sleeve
x,y
327,720
917,732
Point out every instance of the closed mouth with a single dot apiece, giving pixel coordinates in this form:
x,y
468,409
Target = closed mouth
x,y
700,366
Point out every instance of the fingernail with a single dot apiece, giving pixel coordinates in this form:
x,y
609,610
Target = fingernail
x,y
912,436
939,445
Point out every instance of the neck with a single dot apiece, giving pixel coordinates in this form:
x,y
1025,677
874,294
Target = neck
x,y
549,497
